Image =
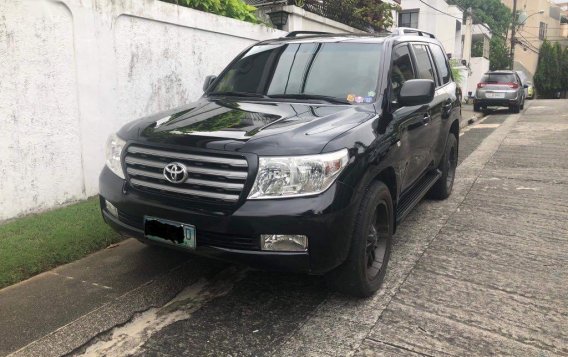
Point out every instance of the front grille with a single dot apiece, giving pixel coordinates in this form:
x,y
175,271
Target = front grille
x,y
211,177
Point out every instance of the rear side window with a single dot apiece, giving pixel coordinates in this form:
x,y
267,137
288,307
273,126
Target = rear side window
x,y
402,69
441,63
498,78
424,69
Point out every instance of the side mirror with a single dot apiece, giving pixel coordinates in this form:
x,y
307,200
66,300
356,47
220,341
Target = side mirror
x,y
416,92
208,81
525,86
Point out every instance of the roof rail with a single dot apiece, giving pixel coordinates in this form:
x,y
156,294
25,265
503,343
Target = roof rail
x,y
401,31
296,33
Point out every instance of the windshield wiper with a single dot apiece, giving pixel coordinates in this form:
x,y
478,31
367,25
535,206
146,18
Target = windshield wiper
x,y
238,94
327,98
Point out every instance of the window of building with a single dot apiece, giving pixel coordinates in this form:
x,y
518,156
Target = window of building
x,y
543,29
408,19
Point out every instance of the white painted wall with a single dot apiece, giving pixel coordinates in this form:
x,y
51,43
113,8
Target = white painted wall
x,y
74,71
302,20
478,67
443,26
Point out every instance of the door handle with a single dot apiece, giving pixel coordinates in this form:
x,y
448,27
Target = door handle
x,y
427,119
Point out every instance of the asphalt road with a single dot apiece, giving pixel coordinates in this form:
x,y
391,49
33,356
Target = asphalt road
x,y
437,299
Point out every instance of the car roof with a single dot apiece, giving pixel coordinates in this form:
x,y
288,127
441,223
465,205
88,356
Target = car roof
x,y
350,37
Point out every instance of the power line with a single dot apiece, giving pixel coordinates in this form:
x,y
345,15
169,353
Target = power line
x,y
440,11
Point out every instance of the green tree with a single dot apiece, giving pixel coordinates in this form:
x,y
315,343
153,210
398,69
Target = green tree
x,y
378,14
363,14
237,9
564,70
477,49
547,78
498,54
498,17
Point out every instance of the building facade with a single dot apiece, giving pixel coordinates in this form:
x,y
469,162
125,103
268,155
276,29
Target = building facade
x,y
437,17
539,20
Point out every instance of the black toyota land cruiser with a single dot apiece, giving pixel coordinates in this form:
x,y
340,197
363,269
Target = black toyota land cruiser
x,y
302,155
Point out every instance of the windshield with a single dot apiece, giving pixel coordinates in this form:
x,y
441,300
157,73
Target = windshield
x,y
499,78
346,71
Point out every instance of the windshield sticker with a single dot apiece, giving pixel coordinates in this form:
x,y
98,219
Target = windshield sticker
x,y
351,97
368,99
358,99
372,94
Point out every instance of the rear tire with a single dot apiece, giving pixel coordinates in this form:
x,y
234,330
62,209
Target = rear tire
x,y
477,108
362,274
515,109
442,189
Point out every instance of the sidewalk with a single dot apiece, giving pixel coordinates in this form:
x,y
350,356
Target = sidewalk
x,y
483,273
469,116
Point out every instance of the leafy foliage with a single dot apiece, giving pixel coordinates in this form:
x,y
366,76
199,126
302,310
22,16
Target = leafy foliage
x,y
236,9
491,12
456,73
498,17
564,69
362,14
550,77
477,49
498,54
378,14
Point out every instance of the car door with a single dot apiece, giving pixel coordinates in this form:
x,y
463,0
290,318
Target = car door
x,y
409,122
432,118
445,100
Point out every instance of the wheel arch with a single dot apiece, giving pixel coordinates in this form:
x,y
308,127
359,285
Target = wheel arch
x,y
388,176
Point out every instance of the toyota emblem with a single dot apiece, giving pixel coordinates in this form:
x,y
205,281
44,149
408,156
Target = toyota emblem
x,y
175,172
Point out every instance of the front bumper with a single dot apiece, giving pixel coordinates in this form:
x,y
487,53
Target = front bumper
x,y
325,219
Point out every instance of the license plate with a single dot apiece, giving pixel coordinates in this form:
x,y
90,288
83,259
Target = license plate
x,y
495,95
170,232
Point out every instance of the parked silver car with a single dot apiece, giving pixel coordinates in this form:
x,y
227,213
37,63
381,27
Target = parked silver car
x,y
500,89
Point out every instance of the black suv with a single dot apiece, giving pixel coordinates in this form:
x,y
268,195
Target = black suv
x,y
302,155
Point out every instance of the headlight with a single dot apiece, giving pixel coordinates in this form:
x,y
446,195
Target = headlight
x,y
113,154
282,177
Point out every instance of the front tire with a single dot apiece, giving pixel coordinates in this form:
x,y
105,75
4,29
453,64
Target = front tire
x,y
362,274
442,189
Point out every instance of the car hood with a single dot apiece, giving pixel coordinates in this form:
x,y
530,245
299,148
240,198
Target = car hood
x,y
254,126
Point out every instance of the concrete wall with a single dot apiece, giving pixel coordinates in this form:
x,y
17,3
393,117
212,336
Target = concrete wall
x,y
443,26
302,20
74,71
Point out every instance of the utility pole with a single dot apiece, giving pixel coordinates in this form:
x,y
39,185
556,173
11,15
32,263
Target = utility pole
x,y
513,34
467,39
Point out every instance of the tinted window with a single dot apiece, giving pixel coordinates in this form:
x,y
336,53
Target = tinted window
x,y
401,68
498,78
441,63
424,69
342,70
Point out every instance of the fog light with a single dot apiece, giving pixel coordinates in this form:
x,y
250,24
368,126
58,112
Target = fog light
x,y
283,243
111,208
